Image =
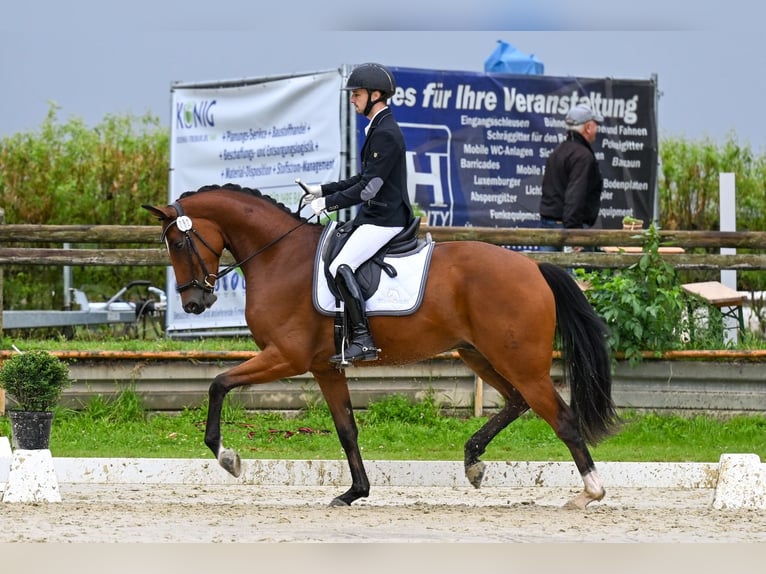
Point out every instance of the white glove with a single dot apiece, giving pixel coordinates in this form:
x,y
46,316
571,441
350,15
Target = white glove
x,y
313,191
317,205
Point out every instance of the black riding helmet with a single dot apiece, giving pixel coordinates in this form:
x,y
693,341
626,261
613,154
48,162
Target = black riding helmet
x,y
372,77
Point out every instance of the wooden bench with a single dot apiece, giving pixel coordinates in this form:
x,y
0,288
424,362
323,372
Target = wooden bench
x,y
719,295
639,249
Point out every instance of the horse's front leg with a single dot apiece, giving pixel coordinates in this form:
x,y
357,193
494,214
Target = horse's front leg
x,y
335,390
265,367
228,458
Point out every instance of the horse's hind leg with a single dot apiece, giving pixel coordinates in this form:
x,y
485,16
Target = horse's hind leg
x,y
566,428
515,406
551,407
543,399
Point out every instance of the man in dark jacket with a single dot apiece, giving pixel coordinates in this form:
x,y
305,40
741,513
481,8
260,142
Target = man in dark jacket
x,y
572,183
381,192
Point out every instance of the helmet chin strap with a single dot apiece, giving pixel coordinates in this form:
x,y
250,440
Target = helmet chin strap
x,y
371,102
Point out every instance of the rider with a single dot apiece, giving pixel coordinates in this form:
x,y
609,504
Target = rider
x,y
380,190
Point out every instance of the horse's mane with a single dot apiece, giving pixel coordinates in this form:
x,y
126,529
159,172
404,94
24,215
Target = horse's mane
x,y
247,190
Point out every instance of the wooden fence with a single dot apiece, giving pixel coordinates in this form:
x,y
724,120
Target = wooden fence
x,y
155,255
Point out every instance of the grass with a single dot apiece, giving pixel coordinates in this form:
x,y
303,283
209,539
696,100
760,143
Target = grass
x,y
89,341
392,429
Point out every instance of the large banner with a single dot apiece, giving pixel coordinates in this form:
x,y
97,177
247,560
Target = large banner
x,y
258,133
477,143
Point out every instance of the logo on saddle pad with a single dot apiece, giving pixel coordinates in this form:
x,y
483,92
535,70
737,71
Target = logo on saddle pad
x,y
393,281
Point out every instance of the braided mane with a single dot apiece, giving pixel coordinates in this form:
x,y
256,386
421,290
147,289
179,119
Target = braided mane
x,y
247,190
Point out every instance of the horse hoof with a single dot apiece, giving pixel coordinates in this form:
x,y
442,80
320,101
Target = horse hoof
x,y
339,502
582,500
230,461
475,473
574,504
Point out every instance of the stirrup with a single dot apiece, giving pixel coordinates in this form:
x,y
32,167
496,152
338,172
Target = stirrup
x,y
347,356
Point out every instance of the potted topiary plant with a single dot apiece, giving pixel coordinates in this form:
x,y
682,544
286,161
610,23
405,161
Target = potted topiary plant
x,y
631,223
35,381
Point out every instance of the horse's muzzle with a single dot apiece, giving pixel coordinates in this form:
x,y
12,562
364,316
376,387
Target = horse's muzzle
x,y
196,306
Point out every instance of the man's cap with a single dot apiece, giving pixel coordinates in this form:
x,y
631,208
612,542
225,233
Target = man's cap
x,y
580,114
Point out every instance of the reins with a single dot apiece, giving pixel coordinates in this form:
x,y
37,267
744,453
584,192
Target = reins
x,y
233,266
184,224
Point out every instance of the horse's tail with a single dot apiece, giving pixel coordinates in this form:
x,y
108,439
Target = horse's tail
x,y
585,355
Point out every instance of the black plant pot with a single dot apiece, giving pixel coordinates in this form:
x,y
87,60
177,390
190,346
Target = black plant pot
x,y
30,430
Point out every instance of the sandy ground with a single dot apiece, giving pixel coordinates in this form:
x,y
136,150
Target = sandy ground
x,y
182,513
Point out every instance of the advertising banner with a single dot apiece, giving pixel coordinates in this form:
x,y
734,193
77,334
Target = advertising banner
x,y
261,134
477,143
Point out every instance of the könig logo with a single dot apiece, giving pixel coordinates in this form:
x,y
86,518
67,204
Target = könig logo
x,y
195,114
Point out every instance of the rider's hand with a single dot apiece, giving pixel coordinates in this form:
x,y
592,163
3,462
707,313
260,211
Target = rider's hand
x,y
318,205
313,191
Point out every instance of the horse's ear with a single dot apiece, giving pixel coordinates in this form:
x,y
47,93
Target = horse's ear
x,y
155,210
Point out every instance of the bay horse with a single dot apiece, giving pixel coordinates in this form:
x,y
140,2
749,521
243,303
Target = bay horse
x,y
498,309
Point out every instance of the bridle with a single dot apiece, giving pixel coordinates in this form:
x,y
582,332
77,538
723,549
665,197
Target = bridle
x,y
185,225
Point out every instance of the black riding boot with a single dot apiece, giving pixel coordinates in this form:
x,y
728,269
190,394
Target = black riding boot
x,y
362,347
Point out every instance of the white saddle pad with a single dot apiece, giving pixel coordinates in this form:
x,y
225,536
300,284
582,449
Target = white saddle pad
x,y
400,295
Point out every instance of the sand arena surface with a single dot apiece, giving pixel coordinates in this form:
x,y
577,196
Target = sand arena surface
x,y
250,513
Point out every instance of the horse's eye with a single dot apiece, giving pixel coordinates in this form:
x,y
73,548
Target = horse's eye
x,y
178,245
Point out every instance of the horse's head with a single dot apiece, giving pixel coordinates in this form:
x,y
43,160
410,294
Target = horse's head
x,y
195,247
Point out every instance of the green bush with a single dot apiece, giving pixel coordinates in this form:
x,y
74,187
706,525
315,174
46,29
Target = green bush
x,y
643,305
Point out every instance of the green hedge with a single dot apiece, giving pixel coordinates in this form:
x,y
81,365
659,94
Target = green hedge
x,y
69,173
688,193
688,184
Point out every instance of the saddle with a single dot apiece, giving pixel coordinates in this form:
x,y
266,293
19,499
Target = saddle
x,y
368,274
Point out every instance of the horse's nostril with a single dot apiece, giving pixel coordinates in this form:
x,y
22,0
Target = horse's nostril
x,y
192,308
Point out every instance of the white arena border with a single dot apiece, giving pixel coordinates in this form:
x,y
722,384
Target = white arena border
x,y
381,473
739,480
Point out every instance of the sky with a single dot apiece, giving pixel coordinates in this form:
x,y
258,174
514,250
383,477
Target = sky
x,y
95,57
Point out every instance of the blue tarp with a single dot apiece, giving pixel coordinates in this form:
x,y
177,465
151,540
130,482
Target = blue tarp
x,y
508,60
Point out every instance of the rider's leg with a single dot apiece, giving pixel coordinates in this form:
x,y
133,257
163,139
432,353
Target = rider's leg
x,y
364,242
362,347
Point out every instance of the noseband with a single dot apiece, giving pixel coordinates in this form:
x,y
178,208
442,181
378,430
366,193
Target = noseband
x,y
184,224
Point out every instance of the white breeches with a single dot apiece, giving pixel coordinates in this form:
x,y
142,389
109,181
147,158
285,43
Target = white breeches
x,y
364,242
